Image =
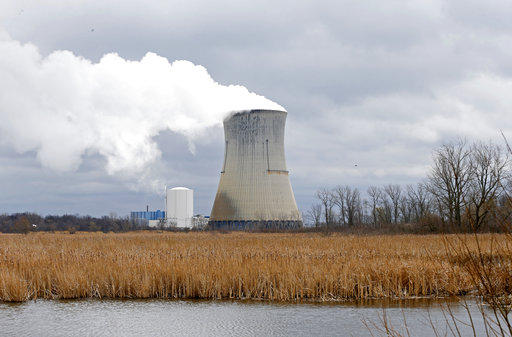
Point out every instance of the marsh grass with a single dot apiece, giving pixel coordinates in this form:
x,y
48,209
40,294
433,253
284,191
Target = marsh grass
x,y
263,266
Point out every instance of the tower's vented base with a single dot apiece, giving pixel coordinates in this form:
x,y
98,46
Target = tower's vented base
x,y
255,224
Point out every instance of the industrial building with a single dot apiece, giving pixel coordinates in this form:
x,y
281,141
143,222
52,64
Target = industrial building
x,y
148,215
254,189
147,218
179,211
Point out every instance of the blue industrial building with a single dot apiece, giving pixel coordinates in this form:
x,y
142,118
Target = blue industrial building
x,y
148,215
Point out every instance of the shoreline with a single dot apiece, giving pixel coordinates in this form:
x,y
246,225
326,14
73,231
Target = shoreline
x,y
413,302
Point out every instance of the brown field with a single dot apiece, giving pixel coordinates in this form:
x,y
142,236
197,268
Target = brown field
x,y
277,266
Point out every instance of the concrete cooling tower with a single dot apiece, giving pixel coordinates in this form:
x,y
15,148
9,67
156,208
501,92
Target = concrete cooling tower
x,y
254,189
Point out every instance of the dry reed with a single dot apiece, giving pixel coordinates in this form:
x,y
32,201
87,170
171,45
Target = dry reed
x,y
282,267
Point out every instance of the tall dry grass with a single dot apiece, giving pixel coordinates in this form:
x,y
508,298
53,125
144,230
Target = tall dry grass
x,y
283,267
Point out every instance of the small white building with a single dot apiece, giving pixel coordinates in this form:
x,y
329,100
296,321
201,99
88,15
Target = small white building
x,y
154,223
179,207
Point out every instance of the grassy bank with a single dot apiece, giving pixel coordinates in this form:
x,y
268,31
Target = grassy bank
x,y
270,266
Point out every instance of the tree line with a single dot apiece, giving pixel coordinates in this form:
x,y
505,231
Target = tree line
x,y
27,222
467,188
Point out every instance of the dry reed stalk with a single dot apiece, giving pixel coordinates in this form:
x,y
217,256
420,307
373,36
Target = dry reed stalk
x,y
281,267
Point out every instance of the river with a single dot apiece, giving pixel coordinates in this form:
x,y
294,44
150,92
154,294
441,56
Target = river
x,y
221,318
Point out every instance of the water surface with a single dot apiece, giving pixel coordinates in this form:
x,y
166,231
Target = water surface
x,y
219,318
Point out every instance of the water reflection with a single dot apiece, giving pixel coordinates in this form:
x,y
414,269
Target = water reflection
x,y
216,318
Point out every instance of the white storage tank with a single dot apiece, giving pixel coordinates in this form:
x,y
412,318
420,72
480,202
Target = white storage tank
x,y
179,207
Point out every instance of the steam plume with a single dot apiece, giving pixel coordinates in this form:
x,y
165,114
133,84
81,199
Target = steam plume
x,y
62,106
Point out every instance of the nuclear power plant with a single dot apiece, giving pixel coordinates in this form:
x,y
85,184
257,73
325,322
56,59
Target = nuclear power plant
x,y
254,189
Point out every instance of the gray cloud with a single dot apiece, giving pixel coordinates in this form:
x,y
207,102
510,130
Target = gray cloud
x,y
373,83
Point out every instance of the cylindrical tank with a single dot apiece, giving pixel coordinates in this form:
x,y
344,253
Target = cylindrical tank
x,y
254,189
179,206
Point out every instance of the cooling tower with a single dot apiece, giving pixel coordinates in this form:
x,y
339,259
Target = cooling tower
x,y
254,189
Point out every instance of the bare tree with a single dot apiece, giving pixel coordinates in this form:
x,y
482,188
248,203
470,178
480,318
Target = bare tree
x,y
394,192
449,179
365,217
385,212
420,200
327,200
348,201
339,197
163,224
314,214
22,225
489,168
353,205
406,208
375,194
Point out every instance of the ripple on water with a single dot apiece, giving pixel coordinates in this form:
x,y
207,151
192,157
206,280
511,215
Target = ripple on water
x,y
212,318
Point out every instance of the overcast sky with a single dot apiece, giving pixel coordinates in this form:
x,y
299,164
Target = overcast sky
x,y
376,83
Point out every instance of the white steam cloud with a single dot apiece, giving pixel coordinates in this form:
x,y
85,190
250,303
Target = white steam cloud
x,y
63,106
